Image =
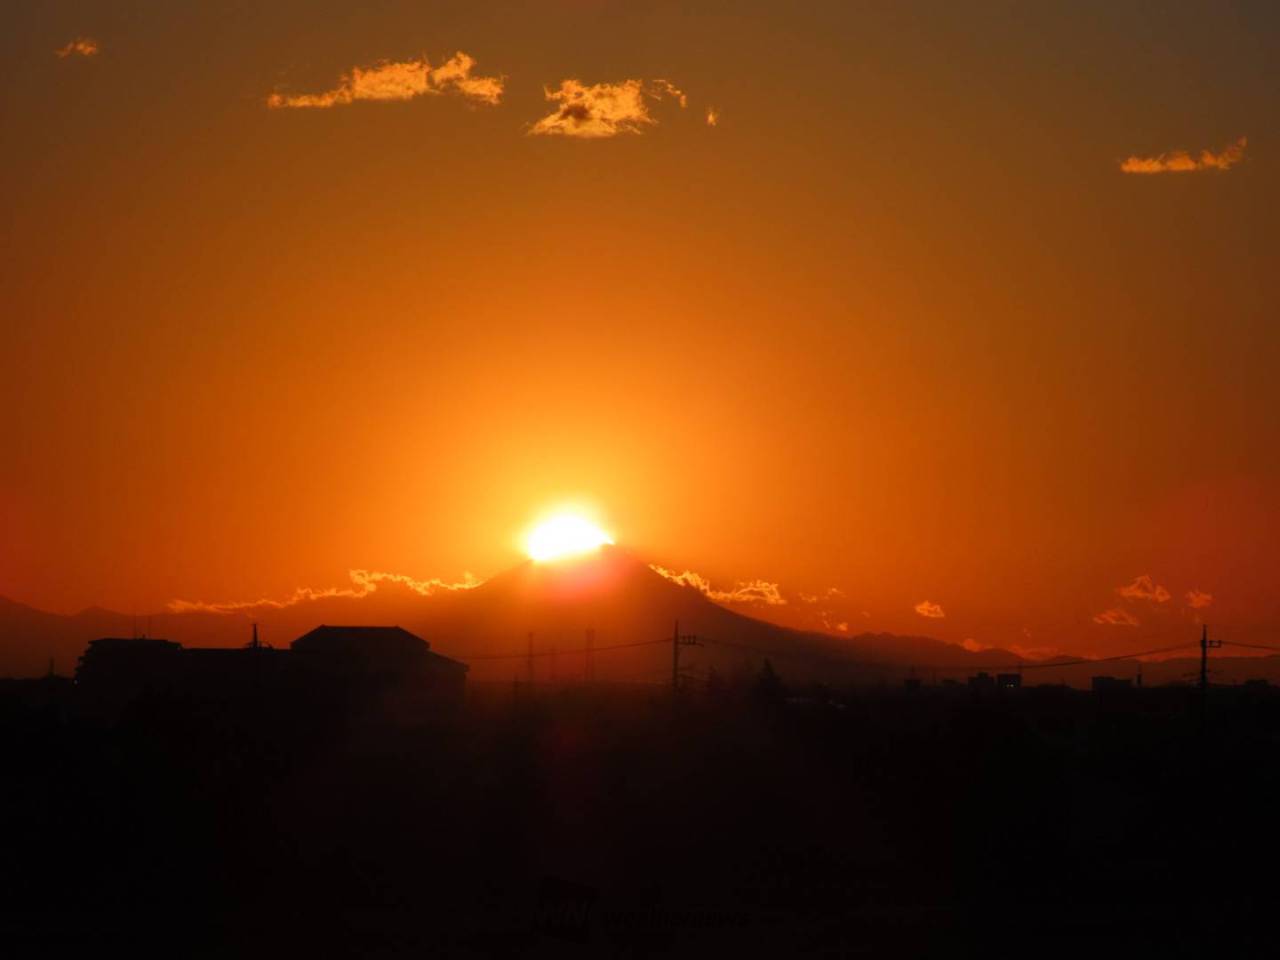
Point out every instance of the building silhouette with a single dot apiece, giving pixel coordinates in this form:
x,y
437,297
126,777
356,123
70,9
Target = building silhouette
x,y
354,667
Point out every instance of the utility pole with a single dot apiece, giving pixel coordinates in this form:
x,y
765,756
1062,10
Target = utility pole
x,y
679,640
1205,644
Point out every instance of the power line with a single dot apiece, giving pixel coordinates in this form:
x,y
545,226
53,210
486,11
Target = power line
x,y
1036,665
1251,646
1075,661
850,661
800,654
551,653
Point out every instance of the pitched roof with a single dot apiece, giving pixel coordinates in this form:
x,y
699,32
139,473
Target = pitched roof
x,y
360,639
370,643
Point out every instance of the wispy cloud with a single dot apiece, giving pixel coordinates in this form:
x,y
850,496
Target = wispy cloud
x,y
831,625
400,80
824,615
1144,588
927,608
713,117
364,582
1198,599
1180,161
455,74
746,591
671,90
1115,617
603,109
79,47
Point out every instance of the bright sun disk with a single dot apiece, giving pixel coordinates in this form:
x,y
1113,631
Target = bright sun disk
x,y
564,535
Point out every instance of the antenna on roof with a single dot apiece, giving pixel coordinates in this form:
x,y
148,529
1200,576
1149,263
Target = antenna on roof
x,y
253,644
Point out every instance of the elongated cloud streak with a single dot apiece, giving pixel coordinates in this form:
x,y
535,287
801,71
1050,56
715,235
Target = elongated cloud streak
x,y
927,608
1180,161
603,109
79,47
747,591
364,582
1116,617
400,80
1144,588
815,597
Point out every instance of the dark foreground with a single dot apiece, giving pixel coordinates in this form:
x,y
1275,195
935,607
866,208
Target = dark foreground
x,y
591,821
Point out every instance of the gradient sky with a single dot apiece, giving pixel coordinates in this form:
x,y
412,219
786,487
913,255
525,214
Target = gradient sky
x,y
898,324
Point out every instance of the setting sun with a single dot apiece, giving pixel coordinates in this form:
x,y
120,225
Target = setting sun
x,y
564,535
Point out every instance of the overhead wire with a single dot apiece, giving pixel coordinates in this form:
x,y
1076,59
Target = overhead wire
x,y
816,656
1028,665
552,652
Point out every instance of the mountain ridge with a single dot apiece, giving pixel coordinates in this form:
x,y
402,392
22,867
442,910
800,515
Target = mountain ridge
x,y
617,596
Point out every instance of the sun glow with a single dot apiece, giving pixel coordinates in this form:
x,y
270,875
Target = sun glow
x,y
564,535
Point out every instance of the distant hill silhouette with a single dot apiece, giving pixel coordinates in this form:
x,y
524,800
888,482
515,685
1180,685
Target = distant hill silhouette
x,y
30,638
613,593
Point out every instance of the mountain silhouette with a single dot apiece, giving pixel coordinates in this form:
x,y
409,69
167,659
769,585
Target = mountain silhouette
x,y
626,605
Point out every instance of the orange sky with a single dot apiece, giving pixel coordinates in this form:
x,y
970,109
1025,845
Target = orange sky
x,y
899,324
